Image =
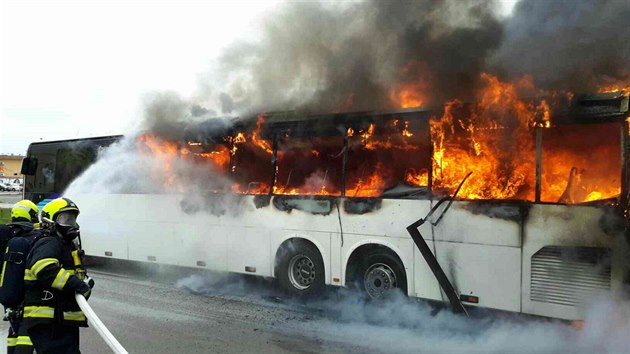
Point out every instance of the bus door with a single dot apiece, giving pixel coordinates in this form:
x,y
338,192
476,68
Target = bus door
x,y
478,245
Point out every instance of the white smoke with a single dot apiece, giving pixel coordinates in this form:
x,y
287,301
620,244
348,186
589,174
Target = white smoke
x,y
403,325
119,169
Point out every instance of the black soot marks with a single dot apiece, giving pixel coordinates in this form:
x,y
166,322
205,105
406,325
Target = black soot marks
x,y
360,206
317,205
611,223
189,207
261,201
516,211
214,204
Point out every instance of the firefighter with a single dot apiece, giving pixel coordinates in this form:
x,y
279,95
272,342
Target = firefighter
x,y
53,275
21,234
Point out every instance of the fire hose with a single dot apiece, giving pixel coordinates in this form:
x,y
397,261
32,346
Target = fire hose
x,y
99,326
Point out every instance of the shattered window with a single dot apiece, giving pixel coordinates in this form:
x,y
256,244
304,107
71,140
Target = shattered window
x,y
391,154
251,166
581,163
309,166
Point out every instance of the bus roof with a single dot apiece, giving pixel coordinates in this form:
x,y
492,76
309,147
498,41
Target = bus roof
x,y
52,142
78,139
592,108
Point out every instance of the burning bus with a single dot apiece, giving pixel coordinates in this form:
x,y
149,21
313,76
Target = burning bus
x,y
522,209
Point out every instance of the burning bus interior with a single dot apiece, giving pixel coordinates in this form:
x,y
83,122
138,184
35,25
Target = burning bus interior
x,y
523,150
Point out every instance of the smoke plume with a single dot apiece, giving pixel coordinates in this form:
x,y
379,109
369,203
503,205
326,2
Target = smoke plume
x,y
323,57
576,45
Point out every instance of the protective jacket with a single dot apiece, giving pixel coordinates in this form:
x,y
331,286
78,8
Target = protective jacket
x,y
20,238
53,275
5,236
23,235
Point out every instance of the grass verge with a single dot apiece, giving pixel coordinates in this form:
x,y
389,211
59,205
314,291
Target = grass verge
x,y
5,215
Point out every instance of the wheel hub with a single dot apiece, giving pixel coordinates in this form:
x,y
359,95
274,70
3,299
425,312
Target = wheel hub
x,y
301,272
379,279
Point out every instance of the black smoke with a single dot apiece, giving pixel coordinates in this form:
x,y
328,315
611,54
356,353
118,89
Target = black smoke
x,y
324,57
321,57
576,45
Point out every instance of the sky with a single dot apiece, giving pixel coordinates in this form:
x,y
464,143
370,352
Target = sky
x,y
74,69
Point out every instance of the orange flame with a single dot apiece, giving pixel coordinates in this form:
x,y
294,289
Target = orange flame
x,y
406,133
493,138
370,186
418,179
220,158
475,142
615,88
406,98
411,94
165,151
261,143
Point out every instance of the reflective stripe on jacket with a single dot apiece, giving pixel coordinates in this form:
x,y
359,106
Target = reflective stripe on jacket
x,y
53,275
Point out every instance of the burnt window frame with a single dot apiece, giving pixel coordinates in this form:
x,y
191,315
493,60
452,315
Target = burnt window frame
x,y
421,116
624,143
337,125
334,138
233,172
288,122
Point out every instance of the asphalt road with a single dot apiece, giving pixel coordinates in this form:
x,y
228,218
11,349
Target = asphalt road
x,y
7,199
183,311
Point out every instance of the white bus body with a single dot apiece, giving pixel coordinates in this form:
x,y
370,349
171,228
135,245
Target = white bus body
x,y
489,253
529,255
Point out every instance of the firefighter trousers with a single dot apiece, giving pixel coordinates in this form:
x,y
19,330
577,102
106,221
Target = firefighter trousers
x,y
55,339
18,341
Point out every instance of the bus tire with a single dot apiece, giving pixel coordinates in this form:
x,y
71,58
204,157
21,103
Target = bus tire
x,y
300,269
379,274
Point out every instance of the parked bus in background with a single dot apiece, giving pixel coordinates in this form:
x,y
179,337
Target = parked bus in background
x,y
539,227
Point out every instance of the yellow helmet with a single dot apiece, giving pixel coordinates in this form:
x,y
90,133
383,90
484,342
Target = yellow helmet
x,y
56,206
24,210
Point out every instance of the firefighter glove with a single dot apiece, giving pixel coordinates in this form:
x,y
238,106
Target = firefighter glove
x,y
89,281
85,290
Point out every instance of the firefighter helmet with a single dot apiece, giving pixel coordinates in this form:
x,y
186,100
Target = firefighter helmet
x,y
60,215
24,210
57,207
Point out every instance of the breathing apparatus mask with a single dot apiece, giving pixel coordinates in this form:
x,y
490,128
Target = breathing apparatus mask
x,y
66,225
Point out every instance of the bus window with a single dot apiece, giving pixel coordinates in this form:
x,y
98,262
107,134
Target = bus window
x,y
310,166
251,167
581,163
385,154
45,175
71,162
214,156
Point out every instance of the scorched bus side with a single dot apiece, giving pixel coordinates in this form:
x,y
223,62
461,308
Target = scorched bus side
x,y
537,256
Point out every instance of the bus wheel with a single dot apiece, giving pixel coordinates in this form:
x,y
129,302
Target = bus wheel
x,y
300,269
380,274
